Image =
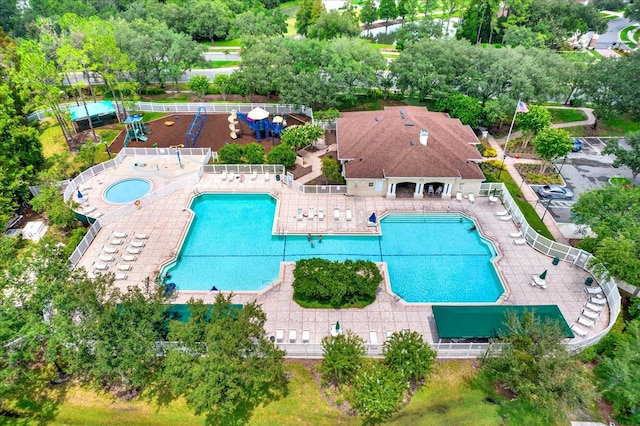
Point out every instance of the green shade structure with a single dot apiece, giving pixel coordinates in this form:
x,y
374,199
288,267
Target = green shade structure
x,y
543,275
475,322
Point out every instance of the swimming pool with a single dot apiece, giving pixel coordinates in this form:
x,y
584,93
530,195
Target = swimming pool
x,y
127,190
230,246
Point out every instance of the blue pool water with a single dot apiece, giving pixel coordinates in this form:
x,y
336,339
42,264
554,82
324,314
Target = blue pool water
x,y
127,190
430,258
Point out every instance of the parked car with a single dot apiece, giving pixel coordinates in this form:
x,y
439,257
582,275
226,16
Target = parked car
x,y
555,191
577,145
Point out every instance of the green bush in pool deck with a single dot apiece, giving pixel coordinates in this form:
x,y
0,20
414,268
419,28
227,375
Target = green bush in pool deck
x,y
322,283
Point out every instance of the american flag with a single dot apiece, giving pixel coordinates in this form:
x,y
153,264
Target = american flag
x,y
522,107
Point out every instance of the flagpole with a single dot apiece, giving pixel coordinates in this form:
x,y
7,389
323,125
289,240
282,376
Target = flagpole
x,y
506,144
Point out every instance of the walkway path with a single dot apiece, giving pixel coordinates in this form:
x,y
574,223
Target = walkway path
x,y
529,194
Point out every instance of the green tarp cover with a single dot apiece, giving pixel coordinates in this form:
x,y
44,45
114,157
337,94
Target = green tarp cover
x,y
95,109
468,322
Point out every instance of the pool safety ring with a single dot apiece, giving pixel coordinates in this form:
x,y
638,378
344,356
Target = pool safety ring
x,y
137,203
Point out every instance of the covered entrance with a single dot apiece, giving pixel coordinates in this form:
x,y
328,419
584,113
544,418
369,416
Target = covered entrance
x,y
405,190
433,190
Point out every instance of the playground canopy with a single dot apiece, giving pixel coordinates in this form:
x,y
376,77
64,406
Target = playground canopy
x,y
100,113
258,114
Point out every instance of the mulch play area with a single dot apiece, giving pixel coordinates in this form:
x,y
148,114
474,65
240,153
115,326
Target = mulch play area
x,y
214,134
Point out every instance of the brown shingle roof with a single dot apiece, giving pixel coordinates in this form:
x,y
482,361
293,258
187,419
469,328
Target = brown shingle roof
x,y
374,141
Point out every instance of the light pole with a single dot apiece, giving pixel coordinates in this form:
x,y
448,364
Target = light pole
x,y
561,166
546,209
177,147
504,157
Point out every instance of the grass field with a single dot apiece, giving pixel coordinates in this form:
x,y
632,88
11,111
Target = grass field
x,y
562,115
52,139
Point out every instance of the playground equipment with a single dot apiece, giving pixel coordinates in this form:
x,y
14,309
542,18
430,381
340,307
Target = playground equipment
x,y
258,120
136,129
235,131
196,126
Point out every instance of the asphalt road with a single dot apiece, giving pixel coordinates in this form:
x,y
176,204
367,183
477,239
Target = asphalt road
x,y
606,40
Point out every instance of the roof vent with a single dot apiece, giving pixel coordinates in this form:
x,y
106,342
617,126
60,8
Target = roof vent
x,y
402,114
424,135
408,123
377,118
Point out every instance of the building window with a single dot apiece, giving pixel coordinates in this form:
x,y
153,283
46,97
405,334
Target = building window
x,y
370,184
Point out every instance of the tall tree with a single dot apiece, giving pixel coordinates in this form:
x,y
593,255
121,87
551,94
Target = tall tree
x,y
308,14
626,157
533,122
387,10
368,13
222,363
552,144
334,24
209,19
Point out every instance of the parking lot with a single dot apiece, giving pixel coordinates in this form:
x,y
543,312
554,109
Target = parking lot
x,y
583,171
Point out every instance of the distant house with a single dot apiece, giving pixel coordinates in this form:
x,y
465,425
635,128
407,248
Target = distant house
x,y
407,152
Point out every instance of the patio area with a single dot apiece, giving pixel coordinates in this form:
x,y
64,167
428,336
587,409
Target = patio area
x,y
166,220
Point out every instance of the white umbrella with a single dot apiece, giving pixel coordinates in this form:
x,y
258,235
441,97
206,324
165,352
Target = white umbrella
x,y
258,114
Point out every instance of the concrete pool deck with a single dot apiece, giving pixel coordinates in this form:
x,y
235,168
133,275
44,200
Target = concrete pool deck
x,y
166,222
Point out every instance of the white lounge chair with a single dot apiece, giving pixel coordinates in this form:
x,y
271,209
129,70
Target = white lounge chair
x,y
373,338
516,234
586,322
279,335
459,196
110,250
320,214
311,213
591,315
141,236
133,250
254,175
299,214
223,176
597,291
117,234
134,243
579,331
121,276
100,266
519,241
594,308
349,215
502,213
107,258
472,198
123,267
116,241
293,335
505,218
305,336
129,257
336,213
388,334
231,177
267,176
598,300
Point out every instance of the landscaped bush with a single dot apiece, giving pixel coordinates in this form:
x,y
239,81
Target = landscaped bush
x,y
342,357
323,283
231,154
490,152
282,154
254,153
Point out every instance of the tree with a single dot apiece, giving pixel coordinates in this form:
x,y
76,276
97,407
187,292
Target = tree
x,y
281,154
231,153
621,376
406,353
609,5
86,154
342,357
331,170
222,363
632,11
552,144
222,84
377,392
533,122
626,157
199,84
523,36
308,13
387,10
467,109
181,56
334,24
267,23
368,13
209,19
298,137
533,362
254,153
50,200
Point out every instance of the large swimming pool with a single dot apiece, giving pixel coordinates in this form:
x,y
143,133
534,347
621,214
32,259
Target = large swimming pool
x,y
431,258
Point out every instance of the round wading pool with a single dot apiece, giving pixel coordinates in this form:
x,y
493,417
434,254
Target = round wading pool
x,y
127,190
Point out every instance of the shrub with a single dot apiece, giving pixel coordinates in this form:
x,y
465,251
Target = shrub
x,y
282,154
377,392
409,355
490,152
254,153
231,154
335,284
331,170
343,355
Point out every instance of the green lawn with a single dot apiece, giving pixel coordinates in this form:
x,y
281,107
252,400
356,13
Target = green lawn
x,y
220,64
52,139
624,36
562,115
616,127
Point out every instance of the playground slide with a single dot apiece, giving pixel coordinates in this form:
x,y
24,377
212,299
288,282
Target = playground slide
x,y
140,136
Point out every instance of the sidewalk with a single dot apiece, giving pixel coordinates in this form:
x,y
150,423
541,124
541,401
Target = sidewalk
x,y
530,196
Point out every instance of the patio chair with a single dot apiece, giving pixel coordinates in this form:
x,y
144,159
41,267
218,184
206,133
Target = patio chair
x,y
459,196
311,213
231,177
516,234
100,266
121,276
349,215
279,335
299,215
589,314
598,300
267,176
305,336
117,234
472,198
502,213
110,250
116,241
141,236
123,267
133,250
596,291
129,257
579,331
373,338
520,241
505,218
134,243
293,335
254,175
594,308
320,214
223,176
586,322
336,213
107,258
